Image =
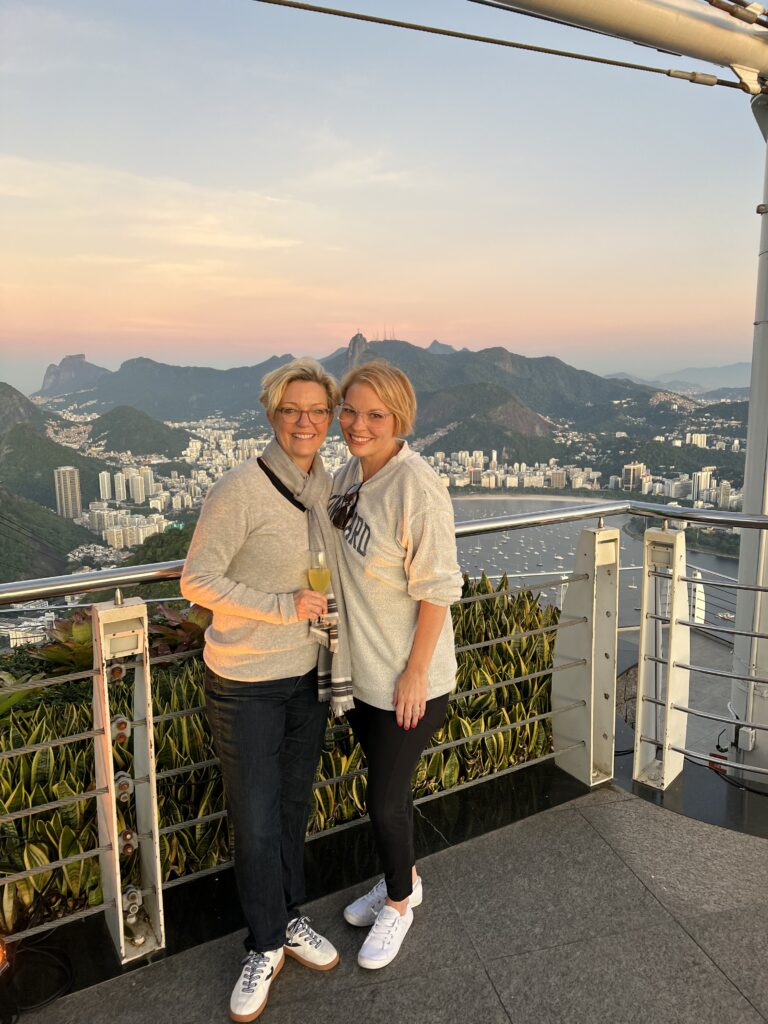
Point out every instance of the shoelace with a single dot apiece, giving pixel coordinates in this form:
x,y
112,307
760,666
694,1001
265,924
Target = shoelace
x,y
378,895
301,930
254,964
384,931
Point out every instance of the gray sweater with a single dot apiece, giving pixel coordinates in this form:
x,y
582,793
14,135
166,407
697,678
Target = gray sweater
x,y
249,554
398,550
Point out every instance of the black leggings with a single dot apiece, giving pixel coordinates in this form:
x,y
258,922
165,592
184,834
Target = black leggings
x,y
392,754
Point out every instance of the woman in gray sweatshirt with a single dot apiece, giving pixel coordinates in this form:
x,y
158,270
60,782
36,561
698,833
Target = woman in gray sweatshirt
x,y
248,564
399,575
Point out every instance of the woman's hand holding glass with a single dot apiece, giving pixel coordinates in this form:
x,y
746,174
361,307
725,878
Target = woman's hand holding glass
x,y
312,604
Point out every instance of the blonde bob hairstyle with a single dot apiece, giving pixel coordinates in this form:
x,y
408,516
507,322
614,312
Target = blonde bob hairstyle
x,y
275,383
392,387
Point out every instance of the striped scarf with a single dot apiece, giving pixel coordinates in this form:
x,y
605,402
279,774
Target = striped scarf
x,y
331,632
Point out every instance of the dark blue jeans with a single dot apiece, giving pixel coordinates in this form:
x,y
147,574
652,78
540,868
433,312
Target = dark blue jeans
x,y
268,736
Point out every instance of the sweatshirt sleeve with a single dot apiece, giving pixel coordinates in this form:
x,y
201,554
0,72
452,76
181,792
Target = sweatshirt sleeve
x,y
221,530
431,566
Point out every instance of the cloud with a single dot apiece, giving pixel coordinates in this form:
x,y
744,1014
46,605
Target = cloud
x,y
96,212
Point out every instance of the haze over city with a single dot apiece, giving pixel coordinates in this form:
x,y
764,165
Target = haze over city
x,y
288,178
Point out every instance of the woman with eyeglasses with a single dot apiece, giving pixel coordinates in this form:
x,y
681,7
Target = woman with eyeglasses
x,y
399,575
248,563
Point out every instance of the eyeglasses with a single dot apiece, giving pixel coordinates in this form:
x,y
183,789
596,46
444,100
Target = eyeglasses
x,y
373,419
345,506
292,415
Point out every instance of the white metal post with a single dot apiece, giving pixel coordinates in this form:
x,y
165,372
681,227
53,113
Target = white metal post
x,y
750,654
134,913
661,683
593,644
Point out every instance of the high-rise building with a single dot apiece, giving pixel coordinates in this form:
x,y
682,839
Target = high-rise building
x,y
149,481
69,504
136,487
105,486
113,535
631,476
119,487
699,440
724,494
557,478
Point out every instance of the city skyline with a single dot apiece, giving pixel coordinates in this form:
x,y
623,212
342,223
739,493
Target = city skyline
x,y
286,178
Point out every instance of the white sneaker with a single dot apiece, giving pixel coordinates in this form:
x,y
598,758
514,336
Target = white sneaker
x,y
363,912
305,945
249,996
383,941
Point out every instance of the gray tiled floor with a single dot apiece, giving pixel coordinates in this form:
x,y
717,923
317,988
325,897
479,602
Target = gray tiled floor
x,y
609,910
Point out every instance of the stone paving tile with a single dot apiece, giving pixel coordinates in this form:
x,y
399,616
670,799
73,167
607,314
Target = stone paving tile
x,y
195,990
651,976
608,793
196,984
542,882
690,866
737,943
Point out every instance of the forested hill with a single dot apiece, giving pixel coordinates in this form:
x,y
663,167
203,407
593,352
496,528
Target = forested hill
x,y
34,541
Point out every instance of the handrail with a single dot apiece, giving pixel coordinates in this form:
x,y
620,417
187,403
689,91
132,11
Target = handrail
x,y
107,579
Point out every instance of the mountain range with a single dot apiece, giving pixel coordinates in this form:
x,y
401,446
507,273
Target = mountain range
x,y
505,394
702,381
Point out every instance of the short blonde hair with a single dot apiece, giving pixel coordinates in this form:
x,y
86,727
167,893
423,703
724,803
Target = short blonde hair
x,y
275,382
391,386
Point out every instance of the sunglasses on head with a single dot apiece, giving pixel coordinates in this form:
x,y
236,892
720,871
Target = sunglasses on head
x,y
345,509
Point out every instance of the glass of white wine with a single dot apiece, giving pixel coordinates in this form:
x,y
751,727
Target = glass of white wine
x,y
319,574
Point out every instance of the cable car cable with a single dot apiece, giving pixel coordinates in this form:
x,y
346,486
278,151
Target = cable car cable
x,y
697,77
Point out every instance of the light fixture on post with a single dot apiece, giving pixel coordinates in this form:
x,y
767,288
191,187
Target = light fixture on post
x,y
135,924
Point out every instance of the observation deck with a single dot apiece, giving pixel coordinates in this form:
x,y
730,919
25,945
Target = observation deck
x,y
585,874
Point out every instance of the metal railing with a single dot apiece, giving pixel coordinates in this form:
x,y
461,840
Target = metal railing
x,y
583,673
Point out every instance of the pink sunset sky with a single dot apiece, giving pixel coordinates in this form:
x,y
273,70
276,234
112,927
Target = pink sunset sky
x,y
214,183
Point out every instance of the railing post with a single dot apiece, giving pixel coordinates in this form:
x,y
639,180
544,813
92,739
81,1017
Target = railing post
x,y
134,911
661,683
593,643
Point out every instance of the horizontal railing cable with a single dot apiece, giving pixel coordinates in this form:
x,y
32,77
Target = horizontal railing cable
x,y
60,741
719,673
728,630
65,801
40,929
169,773
54,865
495,595
562,624
709,715
708,758
202,820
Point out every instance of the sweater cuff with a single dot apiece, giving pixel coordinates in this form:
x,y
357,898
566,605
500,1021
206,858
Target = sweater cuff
x,y
287,609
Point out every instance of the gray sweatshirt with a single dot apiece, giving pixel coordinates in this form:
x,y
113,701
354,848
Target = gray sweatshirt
x,y
249,554
398,550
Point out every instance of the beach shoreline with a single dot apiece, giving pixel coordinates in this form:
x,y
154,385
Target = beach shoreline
x,y
558,499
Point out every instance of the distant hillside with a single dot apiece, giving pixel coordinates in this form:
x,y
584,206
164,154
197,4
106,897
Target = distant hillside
x,y
461,402
33,540
734,375
181,392
482,433
725,395
127,429
17,408
72,374
27,462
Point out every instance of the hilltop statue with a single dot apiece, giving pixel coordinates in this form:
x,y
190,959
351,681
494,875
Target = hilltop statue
x,y
357,348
